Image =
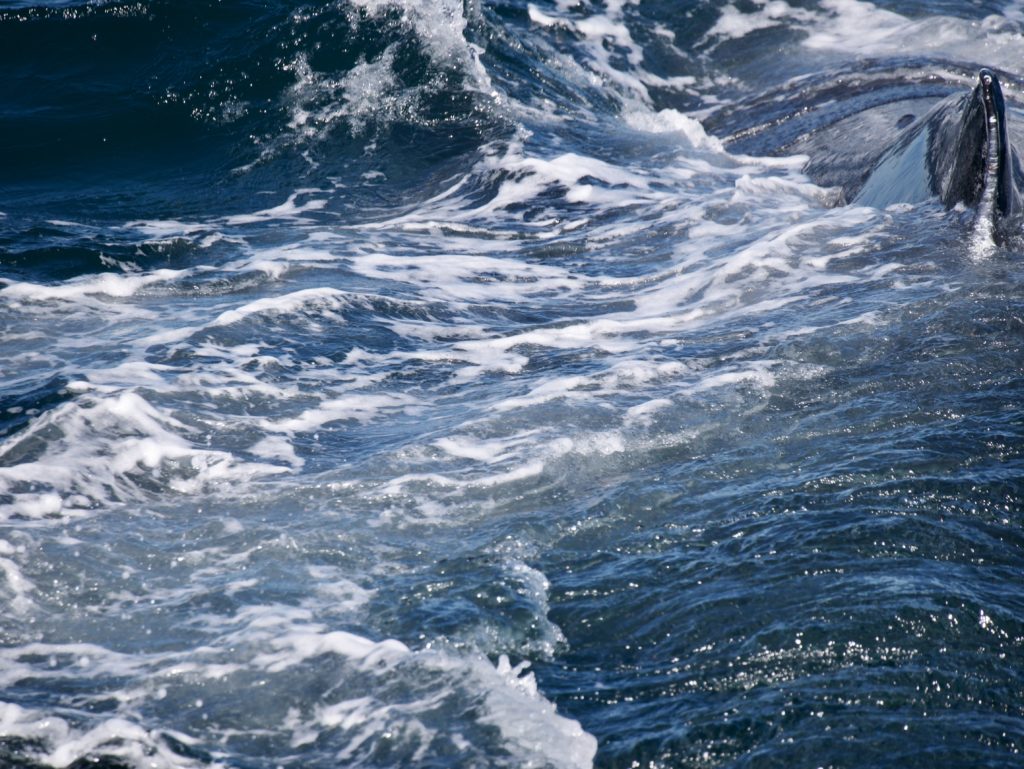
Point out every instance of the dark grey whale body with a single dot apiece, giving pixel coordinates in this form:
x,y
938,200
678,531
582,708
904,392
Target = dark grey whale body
x,y
959,152
906,145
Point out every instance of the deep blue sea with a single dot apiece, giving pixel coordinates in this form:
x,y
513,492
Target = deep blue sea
x,y
434,383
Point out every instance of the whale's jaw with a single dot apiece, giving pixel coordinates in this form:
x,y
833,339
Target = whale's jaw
x,y
998,166
998,202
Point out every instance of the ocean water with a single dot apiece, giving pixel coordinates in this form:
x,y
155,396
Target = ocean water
x,y
428,383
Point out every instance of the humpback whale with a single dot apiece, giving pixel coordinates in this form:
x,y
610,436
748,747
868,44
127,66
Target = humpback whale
x,y
898,143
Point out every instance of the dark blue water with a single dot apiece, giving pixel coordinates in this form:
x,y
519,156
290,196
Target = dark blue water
x,y
395,383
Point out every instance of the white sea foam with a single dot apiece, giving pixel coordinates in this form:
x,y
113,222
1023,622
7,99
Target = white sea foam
x,y
684,296
322,300
734,24
277,449
506,704
532,332
107,284
458,277
382,686
296,646
341,593
117,737
358,407
673,121
488,451
290,209
102,449
292,641
864,29
610,54
371,91
441,26
17,584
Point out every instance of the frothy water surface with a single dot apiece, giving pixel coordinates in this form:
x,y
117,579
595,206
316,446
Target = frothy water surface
x,y
398,383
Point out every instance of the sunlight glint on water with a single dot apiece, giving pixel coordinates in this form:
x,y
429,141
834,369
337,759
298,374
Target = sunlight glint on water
x,y
393,383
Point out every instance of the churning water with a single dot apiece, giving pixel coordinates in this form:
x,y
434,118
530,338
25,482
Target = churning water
x,y
393,383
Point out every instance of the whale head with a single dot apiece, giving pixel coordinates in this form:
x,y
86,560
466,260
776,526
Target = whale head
x,y
999,206
968,160
978,165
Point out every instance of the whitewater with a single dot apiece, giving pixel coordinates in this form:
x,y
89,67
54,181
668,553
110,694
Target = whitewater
x,y
394,383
